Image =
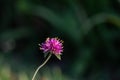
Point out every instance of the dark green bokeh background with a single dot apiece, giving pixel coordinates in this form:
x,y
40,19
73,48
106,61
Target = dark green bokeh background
x,y
90,30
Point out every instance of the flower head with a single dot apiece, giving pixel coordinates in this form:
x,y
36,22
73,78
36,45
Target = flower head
x,y
52,45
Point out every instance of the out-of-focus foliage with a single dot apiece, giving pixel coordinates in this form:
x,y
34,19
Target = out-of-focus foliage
x,y
47,74
90,30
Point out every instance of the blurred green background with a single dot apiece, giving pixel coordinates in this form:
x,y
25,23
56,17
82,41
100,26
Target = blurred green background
x,y
90,30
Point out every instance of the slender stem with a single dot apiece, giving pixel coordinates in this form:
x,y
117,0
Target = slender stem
x,y
41,66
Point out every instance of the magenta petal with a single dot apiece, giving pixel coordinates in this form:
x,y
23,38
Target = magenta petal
x,y
53,45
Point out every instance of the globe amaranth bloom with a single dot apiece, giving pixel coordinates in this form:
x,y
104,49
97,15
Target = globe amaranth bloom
x,y
52,45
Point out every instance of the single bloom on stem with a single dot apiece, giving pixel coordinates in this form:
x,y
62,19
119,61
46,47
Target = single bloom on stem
x,y
50,46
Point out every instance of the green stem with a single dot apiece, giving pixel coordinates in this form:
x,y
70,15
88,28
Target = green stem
x,y
41,66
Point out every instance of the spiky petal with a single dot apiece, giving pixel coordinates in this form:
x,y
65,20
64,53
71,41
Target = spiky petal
x,y
52,45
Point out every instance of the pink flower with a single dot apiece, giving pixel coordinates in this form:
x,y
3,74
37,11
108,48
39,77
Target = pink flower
x,y
52,45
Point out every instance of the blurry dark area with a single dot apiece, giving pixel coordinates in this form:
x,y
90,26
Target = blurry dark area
x,y
90,30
